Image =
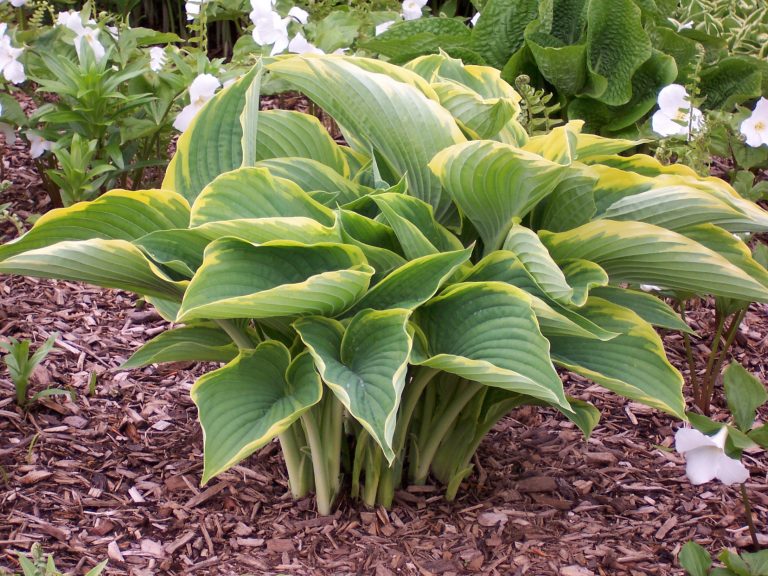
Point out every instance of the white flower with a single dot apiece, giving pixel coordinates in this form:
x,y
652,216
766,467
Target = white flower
x,y
261,8
271,29
73,20
412,9
383,27
300,45
37,144
755,128
16,3
650,288
675,113
192,7
201,90
681,25
10,67
301,16
90,38
705,457
157,58
475,18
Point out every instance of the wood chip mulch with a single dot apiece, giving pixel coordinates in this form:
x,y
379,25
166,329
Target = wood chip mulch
x,y
115,473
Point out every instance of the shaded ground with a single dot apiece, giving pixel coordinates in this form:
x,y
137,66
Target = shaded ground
x,y
116,473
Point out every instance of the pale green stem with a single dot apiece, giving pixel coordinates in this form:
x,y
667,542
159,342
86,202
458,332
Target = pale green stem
x,y
323,490
441,427
238,336
300,484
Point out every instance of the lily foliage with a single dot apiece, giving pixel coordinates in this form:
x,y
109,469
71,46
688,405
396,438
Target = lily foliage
x,y
380,305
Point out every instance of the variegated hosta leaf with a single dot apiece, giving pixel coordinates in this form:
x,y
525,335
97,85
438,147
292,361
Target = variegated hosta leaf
x,y
677,207
287,133
643,253
107,263
559,145
648,307
415,226
397,120
582,276
242,280
590,145
487,332
414,283
117,215
571,204
251,400
557,320
212,144
633,364
526,245
182,249
364,366
483,118
313,175
495,184
255,193
203,342
376,240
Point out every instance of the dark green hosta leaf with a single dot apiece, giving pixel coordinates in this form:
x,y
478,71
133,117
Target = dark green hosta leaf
x,y
562,65
376,240
251,400
389,114
242,280
643,253
616,47
413,283
731,81
365,365
255,193
411,38
500,31
745,394
571,204
107,263
632,364
487,332
648,307
493,184
200,343
117,215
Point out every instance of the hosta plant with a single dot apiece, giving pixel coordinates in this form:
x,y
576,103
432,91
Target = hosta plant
x,y
380,305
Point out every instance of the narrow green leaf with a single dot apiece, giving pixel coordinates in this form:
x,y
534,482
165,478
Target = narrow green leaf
x,y
199,343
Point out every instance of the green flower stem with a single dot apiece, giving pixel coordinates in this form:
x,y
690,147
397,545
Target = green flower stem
x,y
705,398
442,426
748,517
730,336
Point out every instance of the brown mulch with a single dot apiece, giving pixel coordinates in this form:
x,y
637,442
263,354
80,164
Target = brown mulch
x,y
115,474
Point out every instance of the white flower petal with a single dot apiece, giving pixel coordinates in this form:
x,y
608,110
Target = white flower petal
x,y
664,125
474,19
687,439
300,45
14,72
7,131
730,471
700,465
672,98
203,88
157,58
383,27
185,117
300,15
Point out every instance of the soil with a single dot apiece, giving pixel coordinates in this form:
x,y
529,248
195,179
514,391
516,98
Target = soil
x,y
114,474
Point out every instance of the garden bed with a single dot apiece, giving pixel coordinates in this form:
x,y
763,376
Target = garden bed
x,y
116,472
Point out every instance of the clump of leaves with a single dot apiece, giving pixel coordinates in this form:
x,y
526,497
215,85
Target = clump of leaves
x,y
21,364
38,565
697,562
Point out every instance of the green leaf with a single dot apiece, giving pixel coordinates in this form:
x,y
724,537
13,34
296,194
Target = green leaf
x,y
212,144
570,205
482,117
413,283
364,366
731,81
411,38
200,343
287,133
377,241
616,47
107,263
648,307
242,280
248,402
757,561
526,245
583,276
584,415
255,193
643,253
395,118
313,175
562,65
632,364
695,559
495,184
760,435
499,33
487,332
117,215
745,394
